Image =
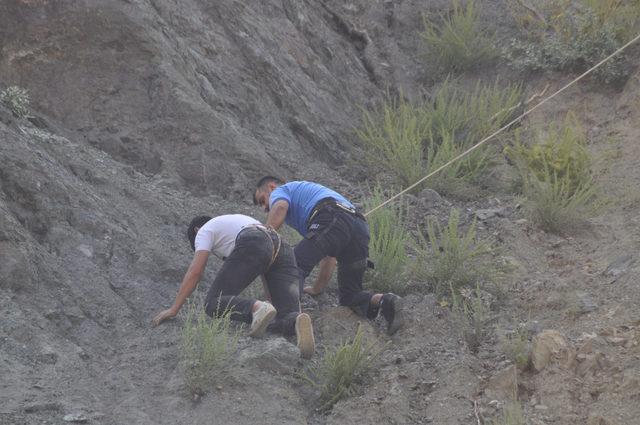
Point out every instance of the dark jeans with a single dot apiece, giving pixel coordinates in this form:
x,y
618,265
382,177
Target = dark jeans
x,y
336,233
249,259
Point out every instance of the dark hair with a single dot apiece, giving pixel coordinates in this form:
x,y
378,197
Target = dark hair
x,y
263,181
191,230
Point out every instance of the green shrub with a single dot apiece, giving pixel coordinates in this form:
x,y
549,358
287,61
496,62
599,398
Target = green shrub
x,y
557,179
457,43
342,369
393,136
470,314
460,119
561,151
389,238
450,259
17,100
554,206
207,344
410,140
516,347
575,39
622,16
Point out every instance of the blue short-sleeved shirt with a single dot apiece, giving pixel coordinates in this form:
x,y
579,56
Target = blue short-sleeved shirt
x,y
302,197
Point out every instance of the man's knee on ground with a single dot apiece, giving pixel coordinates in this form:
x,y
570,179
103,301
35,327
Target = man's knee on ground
x,y
354,271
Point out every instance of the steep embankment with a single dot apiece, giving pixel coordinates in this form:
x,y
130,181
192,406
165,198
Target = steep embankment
x,y
141,108
147,112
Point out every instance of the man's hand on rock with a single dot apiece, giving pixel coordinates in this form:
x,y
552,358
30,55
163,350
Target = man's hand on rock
x,y
164,315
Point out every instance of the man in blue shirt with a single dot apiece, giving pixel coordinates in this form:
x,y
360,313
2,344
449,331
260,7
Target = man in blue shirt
x,y
331,228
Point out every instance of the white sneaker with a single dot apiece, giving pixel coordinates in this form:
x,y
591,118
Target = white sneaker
x,y
261,319
304,336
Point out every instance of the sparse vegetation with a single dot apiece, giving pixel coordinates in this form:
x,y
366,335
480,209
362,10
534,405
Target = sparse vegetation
x,y
448,259
394,137
564,37
206,346
410,140
556,175
342,369
16,99
517,347
458,120
389,238
470,312
457,43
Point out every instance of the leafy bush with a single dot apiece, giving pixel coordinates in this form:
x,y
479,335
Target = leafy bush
x,y
206,346
387,245
342,369
394,137
458,43
575,39
557,178
517,347
554,206
561,151
450,259
458,120
411,140
16,99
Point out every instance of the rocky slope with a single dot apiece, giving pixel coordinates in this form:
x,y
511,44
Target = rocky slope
x,y
146,112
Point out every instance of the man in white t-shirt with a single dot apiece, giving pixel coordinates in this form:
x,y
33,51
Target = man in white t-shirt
x,y
249,250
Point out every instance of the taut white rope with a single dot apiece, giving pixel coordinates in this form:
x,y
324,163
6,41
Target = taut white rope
x,y
500,130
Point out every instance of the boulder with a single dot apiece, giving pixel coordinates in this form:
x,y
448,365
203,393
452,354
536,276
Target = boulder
x,y
548,347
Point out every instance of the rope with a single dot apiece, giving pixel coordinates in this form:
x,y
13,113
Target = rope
x,y
500,130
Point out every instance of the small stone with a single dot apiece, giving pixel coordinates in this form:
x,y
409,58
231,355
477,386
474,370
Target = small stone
x,y
597,420
486,214
618,267
521,221
586,304
540,407
429,198
48,357
533,328
86,250
82,354
617,341
75,417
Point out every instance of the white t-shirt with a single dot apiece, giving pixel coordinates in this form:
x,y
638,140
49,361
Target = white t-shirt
x,y
218,235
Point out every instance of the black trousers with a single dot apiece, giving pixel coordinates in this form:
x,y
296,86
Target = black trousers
x,y
249,259
337,233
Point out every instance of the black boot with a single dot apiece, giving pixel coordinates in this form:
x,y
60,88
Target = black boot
x,y
391,310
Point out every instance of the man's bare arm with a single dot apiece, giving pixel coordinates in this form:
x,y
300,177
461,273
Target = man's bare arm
x,y
327,266
277,214
188,285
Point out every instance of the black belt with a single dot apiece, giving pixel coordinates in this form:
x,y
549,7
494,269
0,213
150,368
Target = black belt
x,y
326,202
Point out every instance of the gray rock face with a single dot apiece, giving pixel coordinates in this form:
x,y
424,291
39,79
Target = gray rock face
x,y
138,105
206,95
146,113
